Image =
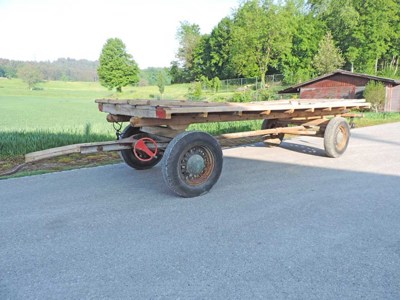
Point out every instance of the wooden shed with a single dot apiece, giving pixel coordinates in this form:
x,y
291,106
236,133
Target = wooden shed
x,y
347,85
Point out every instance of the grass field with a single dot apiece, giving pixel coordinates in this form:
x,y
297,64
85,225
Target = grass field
x,y
63,113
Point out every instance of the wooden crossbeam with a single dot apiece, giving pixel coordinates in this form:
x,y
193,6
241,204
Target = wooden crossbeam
x,y
225,117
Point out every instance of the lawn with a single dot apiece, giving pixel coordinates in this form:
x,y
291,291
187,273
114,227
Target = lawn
x,y
61,113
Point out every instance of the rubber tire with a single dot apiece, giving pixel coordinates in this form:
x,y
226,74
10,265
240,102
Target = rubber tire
x,y
174,154
272,123
129,158
333,148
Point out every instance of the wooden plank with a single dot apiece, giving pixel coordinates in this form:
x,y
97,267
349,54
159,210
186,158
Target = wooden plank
x,y
186,103
353,115
129,110
77,148
190,104
225,117
298,130
117,118
163,131
111,101
39,155
315,122
155,103
264,107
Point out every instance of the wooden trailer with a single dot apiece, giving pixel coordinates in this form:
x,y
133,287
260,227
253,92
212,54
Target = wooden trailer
x,y
192,160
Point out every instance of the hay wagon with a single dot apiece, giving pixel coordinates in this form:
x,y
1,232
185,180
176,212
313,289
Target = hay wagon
x,y
192,160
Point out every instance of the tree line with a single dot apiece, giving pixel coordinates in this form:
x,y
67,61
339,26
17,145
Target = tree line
x,y
66,69
298,38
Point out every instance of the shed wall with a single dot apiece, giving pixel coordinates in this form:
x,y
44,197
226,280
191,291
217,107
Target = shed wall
x,y
346,92
393,99
341,86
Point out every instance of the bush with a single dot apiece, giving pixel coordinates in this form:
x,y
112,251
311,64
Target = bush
x,y
266,94
216,84
195,91
242,97
375,93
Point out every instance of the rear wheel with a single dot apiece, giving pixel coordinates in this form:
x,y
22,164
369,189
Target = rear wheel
x,y
192,164
137,158
270,124
336,137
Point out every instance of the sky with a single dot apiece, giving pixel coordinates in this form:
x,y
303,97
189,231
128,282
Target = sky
x,y
44,30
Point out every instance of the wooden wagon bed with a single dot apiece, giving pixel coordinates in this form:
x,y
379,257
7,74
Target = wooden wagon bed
x,y
175,112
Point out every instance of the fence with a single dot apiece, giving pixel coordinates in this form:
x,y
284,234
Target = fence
x,y
243,84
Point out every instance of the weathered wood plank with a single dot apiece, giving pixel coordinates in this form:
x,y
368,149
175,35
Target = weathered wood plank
x,y
166,103
226,117
129,110
117,118
78,148
298,130
163,131
261,107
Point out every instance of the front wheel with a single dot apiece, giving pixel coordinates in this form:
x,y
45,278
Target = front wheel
x,y
192,164
137,159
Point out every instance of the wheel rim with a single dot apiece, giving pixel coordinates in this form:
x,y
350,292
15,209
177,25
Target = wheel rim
x,y
341,138
197,165
141,149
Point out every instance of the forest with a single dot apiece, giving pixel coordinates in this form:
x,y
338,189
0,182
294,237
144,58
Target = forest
x,y
297,38
300,39
66,69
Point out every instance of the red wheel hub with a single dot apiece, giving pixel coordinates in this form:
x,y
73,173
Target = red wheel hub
x,y
145,149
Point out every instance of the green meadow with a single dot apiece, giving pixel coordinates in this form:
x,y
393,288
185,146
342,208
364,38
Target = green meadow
x,y
60,113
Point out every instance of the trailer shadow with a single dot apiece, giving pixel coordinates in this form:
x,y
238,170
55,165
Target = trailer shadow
x,y
241,176
303,149
294,147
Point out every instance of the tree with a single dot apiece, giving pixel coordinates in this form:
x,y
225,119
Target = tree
x,y
201,58
30,74
216,84
161,82
188,36
377,31
261,34
342,18
366,31
117,68
328,58
150,75
220,45
296,65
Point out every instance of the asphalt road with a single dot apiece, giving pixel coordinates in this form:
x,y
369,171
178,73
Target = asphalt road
x,y
281,223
